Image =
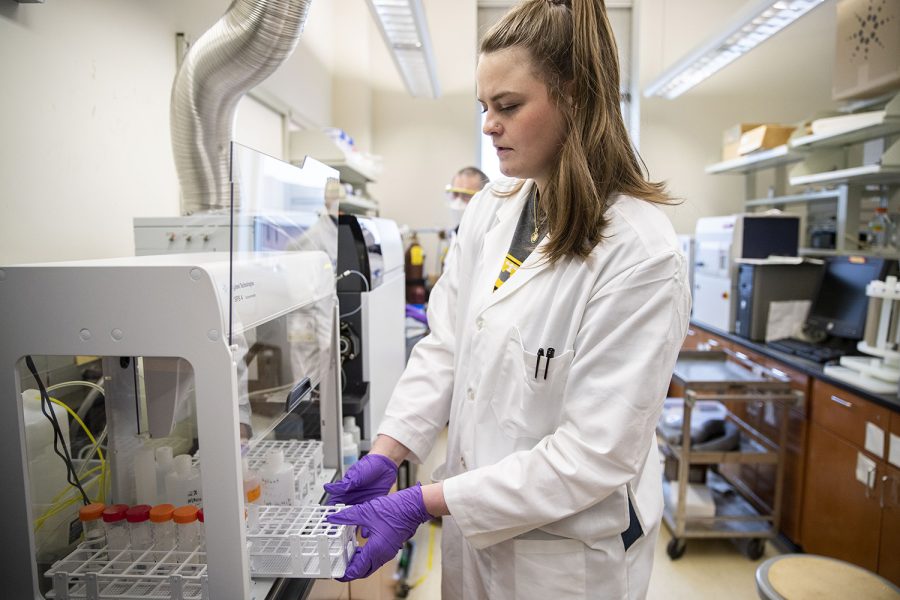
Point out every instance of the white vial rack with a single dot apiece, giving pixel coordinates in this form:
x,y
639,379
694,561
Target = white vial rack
x,y
90,573
305,455
296,541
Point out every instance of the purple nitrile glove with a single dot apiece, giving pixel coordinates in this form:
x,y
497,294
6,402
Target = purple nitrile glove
x,y
369,477
390,521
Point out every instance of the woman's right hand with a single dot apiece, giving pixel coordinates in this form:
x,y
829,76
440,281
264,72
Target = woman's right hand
x,y
370,477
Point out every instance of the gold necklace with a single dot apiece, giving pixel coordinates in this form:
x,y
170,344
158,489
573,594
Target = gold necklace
x,y
534,234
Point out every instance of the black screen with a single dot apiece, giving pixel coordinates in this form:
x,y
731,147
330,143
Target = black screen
x,y
840,307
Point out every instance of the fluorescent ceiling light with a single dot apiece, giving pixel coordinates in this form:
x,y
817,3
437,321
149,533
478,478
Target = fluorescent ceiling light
x,y
755,23
405,32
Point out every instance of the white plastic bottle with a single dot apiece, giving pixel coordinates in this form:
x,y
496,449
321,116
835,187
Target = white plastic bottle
x,y
277,480
183,483
349,450
351,426
46,470
145,480
252,487
165,463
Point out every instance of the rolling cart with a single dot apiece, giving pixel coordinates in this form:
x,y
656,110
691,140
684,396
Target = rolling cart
x,y
712,376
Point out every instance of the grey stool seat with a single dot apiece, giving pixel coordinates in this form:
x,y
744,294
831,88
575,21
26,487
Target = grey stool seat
x,y
808,576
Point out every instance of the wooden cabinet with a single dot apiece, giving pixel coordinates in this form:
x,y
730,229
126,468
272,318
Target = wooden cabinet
x,y
841,515
850,510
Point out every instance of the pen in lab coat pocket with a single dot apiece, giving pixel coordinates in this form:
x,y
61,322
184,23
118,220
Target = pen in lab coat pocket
x,y
537,365
550,353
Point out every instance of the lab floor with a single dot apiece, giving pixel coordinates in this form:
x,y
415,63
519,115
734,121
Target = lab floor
x,y
709,569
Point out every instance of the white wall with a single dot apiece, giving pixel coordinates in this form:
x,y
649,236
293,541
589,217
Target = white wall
x,y
84,115
424,142
786,79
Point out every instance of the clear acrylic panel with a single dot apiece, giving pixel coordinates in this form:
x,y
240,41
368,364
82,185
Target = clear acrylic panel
x,y
282,272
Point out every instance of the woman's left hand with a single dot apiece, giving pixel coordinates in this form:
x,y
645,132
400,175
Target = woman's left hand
x,y
390,521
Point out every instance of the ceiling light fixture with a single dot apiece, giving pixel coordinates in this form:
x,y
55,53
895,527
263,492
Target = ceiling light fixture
x,y
755,23
405,31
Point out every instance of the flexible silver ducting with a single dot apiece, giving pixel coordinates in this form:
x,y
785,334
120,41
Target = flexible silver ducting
x,y
242,49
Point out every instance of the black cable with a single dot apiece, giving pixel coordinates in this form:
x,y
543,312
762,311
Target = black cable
x,y
58,437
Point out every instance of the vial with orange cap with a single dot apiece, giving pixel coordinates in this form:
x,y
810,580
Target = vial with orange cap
x,y
163,527
187,529
92,523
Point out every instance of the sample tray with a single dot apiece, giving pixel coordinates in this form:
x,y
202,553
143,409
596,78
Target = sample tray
x,y
90,572
305,455
296,541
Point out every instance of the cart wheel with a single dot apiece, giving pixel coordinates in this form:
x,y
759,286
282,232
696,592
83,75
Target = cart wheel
x,y
756,547
675,548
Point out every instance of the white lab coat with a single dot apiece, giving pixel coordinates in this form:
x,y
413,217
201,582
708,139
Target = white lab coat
x,y
539,469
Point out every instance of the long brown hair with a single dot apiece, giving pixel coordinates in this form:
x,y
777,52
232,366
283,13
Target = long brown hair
x,y
573,51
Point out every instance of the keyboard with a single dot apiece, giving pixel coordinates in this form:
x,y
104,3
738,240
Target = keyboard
x,y
813,352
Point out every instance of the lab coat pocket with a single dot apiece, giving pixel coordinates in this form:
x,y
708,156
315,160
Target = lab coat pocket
x,y
529,396
550,569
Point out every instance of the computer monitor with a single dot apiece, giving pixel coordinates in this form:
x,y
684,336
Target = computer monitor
x,y
840,306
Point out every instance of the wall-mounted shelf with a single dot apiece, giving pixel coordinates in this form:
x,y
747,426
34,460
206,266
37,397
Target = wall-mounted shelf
x,y
780,155
795,198
852,129
828,165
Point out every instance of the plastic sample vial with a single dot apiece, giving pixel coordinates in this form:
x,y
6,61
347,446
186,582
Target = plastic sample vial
x,y
138,518
163,528
117,538
202,527
187,531
92,523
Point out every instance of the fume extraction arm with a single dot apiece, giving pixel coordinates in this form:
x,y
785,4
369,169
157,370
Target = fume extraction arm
x,y
242,49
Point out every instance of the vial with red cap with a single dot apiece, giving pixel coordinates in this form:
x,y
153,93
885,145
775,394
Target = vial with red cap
x,y
117,536
138,518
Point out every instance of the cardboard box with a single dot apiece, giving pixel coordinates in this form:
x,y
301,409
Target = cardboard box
x,y
763,137
731,139
867,49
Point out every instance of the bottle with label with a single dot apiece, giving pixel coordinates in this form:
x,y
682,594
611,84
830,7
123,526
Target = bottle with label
x,y
881,229
183,483
277,480
351,427
252,488
349,451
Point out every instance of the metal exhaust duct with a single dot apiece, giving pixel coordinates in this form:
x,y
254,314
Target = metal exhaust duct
x,y
241,50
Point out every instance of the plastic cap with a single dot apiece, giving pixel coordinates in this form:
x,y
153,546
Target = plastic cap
x,y
164,455
275,458
162,513
350,422
114,513
91,512
185,514
183,464
200,515
138,514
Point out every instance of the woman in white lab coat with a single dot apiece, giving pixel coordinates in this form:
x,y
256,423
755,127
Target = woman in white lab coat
x,y
554,330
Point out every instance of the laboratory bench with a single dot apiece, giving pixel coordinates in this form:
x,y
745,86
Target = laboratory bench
x,y
842,465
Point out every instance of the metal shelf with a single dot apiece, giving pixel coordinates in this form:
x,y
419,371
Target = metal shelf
x,y
860,175
877,124
796,198
781,155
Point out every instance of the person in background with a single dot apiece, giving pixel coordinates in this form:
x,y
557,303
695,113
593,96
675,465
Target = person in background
x,y
467,182
554,332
